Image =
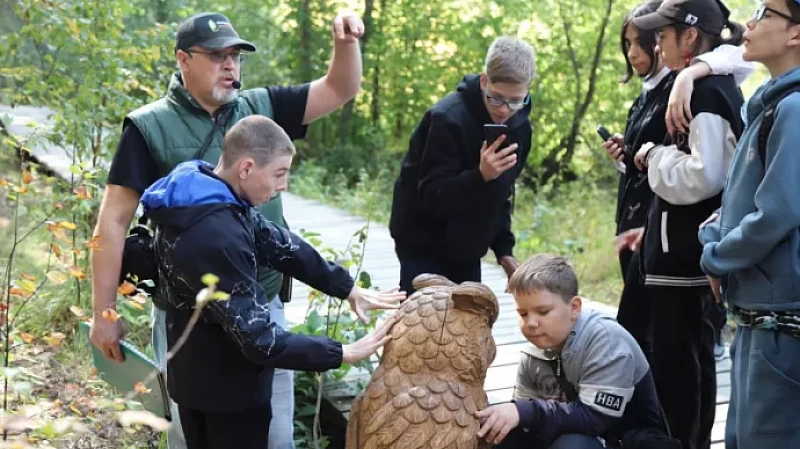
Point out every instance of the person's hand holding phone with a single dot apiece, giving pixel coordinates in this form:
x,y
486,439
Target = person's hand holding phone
x,y
614,147
493,162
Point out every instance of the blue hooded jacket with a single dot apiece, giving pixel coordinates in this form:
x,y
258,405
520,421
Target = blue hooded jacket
x,y
202,226
754,246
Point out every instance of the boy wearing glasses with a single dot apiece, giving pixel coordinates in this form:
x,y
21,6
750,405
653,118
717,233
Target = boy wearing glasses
x,y
452,198
752,247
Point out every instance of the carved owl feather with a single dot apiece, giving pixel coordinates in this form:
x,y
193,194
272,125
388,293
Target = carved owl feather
x,y
430,378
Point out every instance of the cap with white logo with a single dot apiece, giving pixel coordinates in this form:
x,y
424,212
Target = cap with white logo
x,y
212,31
710,16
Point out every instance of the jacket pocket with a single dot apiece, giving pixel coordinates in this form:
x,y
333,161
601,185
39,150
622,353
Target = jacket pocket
x,y
664,233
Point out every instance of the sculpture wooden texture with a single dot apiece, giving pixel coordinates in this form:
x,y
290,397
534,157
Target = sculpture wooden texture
x,y
430,378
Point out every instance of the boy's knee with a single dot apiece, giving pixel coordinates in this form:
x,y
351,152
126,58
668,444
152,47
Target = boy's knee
x,y
576,441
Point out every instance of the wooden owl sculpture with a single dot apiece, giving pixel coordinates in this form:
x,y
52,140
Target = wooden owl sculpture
x,y
430,378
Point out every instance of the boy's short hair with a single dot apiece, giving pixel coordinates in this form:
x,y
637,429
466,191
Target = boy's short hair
x,y
510,60
258,137
545,272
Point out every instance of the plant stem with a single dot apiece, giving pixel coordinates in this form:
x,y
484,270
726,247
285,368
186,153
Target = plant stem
x,y
7,302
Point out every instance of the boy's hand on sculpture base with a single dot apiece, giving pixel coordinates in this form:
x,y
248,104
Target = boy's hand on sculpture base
x,y
497,421
361,300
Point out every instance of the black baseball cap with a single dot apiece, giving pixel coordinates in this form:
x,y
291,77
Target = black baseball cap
x,y
710,16
209,30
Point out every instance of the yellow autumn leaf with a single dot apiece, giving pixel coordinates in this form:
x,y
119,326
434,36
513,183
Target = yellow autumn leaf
x,y
16,291
136,305
54,339
93,371
57,277
77,251
126,288
28,277
20,189
68,225
3,182
82,192
110,315
77,311
27,286
76,272
27,177
220,296
26,337
55,249
94,243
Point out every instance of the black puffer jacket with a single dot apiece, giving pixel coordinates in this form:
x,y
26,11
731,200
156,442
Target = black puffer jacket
x,y
203,227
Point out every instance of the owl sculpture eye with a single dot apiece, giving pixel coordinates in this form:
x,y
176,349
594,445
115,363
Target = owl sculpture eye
x,y
430,378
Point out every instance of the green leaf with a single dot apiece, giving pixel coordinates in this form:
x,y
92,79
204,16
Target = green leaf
x,y
314,322
365,279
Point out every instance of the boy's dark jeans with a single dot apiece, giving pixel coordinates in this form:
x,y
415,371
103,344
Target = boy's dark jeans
x,y
457,272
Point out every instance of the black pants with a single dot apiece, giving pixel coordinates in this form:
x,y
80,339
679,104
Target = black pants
x,y
683,363
243,430
634,312
457,272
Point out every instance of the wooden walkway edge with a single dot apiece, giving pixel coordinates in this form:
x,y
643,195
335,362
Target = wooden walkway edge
x,y
336,228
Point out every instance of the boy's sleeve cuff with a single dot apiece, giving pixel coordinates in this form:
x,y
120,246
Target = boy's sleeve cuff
x,y
525,410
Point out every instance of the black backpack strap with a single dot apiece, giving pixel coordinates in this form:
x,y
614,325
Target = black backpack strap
x,y
766,125
566,387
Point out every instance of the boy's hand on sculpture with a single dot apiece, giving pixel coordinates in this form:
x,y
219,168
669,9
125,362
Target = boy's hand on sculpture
x,y
497,421
361,349
361,300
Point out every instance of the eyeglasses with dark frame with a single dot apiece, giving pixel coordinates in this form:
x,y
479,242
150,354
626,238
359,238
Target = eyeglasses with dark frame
x,y
514,105
760,13
219,57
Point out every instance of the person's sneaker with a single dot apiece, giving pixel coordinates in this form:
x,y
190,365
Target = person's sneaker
x,y
719,351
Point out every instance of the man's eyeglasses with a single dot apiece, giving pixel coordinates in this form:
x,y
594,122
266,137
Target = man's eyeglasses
x,y
761,12
514,105
219,57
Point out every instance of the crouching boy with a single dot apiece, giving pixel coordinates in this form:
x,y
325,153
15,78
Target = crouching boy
x,y
585,383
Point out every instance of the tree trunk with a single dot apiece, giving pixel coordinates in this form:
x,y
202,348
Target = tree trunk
x,y
558,160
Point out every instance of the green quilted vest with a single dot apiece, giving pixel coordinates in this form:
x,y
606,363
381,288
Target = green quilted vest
x,y
176,127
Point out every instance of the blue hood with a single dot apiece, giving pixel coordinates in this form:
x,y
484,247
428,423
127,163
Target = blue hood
x,y
189,192
768,92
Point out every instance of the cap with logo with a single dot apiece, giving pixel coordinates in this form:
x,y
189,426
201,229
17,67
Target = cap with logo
x,y
710,16
212,31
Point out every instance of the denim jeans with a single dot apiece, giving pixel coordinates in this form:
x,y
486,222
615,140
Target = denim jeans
x,y
281,426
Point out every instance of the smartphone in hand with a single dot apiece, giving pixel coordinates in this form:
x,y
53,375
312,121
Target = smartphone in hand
x,y
603,132
493,131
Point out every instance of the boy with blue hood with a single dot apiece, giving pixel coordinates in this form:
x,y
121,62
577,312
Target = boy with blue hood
x,y
752,247
206,222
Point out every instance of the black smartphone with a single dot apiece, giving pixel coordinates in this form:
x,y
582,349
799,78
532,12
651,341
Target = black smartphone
x,y
603,132
493,131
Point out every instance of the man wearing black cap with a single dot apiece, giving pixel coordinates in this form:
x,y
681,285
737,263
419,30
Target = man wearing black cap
x,y
202,102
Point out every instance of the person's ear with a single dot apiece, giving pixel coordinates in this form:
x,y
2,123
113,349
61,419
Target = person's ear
x,y
484,81
246,166
689,38
183,60
794,40
575,306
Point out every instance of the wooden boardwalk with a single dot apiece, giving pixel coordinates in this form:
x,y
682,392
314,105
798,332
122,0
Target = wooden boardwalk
x,y
336,228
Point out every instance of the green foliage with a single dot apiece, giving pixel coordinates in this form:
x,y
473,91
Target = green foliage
x,y
330,317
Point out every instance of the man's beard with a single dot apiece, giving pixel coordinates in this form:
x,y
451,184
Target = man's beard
x,y
222,95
